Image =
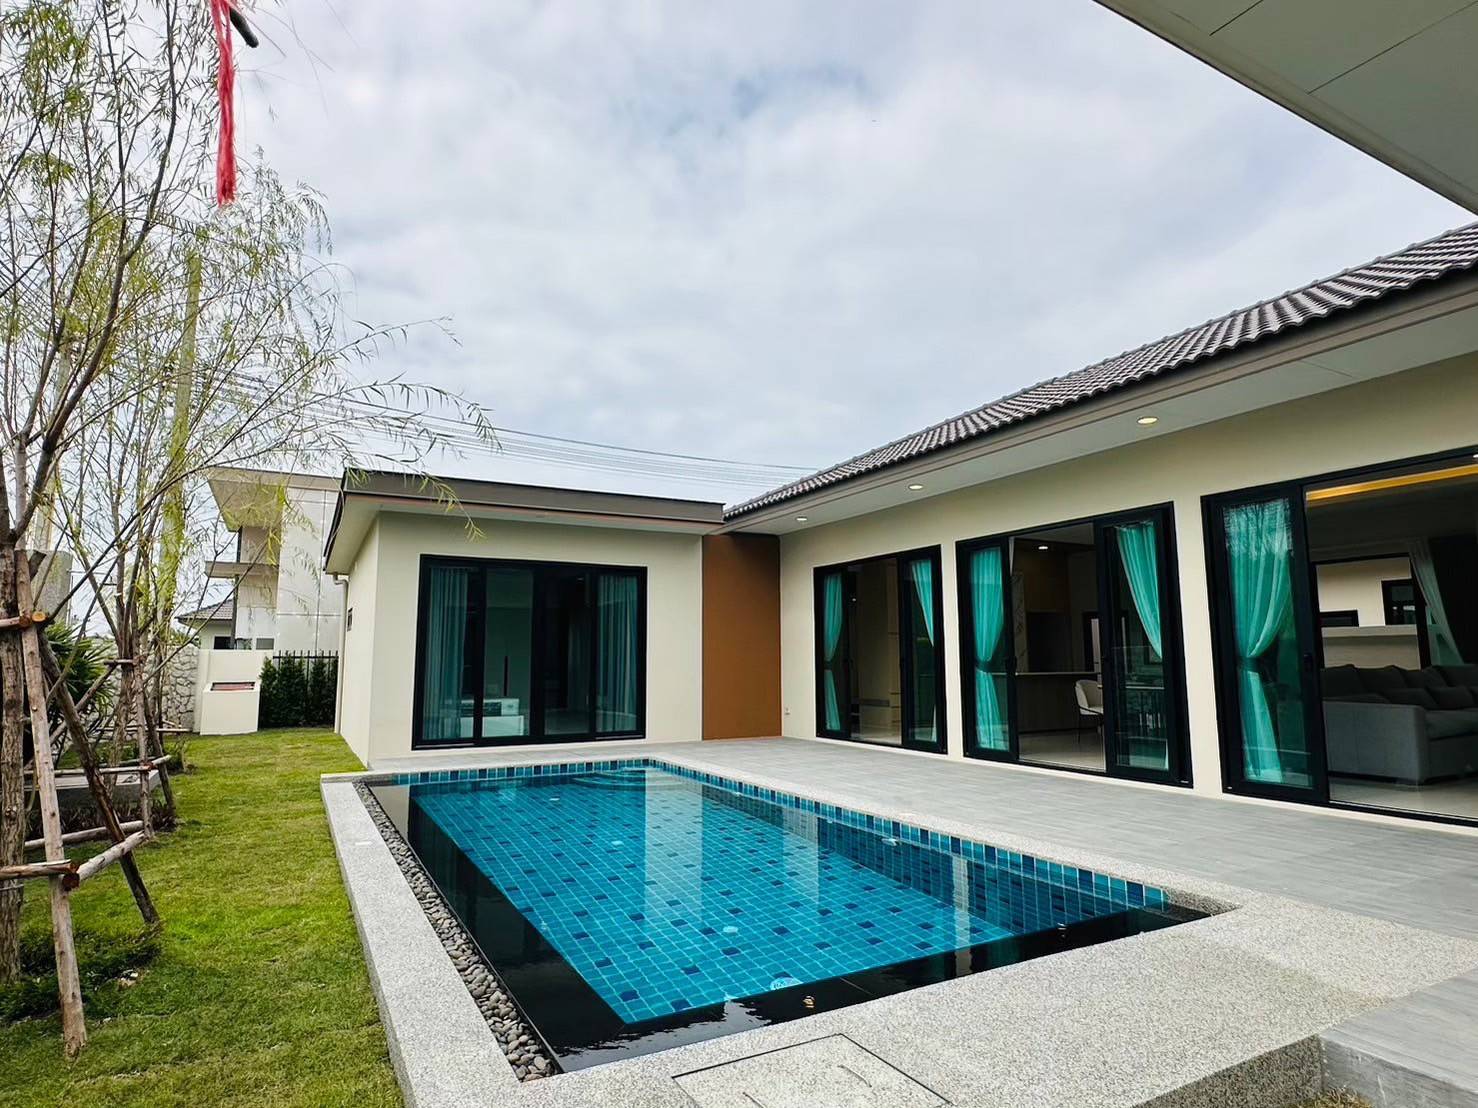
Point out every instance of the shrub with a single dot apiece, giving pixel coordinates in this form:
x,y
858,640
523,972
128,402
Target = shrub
x,y
298,691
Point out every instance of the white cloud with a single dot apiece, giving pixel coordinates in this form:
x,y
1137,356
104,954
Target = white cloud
x,y
788,232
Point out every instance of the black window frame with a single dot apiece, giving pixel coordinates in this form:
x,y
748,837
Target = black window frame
x,y
934,554
1223,650
541,570
1339,617
1179,772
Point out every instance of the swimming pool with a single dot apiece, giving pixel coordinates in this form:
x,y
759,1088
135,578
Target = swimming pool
x,y
631,905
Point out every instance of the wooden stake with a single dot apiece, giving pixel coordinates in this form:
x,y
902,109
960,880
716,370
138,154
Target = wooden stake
x,y
115,853
100,796
71,838
69,982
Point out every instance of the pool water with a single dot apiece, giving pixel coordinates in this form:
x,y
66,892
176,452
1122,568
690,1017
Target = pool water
x,y
631,906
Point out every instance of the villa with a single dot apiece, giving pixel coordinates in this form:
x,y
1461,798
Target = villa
x,y
1112,743
1241,559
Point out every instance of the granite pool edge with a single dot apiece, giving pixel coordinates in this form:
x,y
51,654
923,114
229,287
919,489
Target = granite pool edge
x,y
441,1047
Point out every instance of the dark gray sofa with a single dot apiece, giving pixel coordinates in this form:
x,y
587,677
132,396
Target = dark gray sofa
x,y
1410,725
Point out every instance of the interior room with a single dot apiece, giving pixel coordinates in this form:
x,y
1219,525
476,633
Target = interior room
x,y
872,631
1395,559
1059,665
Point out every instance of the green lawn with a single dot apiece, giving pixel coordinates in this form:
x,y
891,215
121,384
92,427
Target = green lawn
x,y
258,994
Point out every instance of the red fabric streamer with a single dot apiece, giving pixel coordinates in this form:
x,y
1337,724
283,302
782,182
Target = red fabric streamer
x,y
220,16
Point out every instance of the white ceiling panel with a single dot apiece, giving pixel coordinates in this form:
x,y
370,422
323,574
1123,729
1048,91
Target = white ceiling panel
x,y
1313,41
1423,93
1208,15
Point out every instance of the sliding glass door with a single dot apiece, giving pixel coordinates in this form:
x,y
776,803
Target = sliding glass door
x,y
986,648
1268,695
1141,690
880,651
920,652
528,651
1071,648
833,684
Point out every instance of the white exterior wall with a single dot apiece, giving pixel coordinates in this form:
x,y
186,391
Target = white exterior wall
x,y
309,603
378,663
357,656
1422,411
228,711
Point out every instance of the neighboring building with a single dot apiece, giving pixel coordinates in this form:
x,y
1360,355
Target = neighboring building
x,y
211,626
1120,571
282,599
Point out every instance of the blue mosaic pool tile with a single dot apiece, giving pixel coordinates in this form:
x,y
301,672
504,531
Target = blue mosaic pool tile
x,y
667,888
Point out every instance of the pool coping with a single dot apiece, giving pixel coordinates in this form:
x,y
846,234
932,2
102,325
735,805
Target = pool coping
x,y
444,1052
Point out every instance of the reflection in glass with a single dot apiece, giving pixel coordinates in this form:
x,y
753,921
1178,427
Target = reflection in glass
x,y
566,654
507,657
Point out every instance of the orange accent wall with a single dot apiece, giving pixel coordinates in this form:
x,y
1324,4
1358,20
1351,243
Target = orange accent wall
x,y
741,636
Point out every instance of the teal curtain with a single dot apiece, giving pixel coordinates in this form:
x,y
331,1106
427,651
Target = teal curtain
x,y
921,571
446,637
1260,557
988,618
1139,554
831,641
616,650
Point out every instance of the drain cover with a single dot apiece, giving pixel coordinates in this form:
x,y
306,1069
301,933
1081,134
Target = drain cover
x,y
833,1072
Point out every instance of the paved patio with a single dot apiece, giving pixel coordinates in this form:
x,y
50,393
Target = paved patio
x,y
1291,969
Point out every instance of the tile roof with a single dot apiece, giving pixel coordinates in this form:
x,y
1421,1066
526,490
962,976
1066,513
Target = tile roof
x,y
1452,252
224,609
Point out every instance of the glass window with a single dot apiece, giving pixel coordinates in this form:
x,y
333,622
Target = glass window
x,y
987,691
448,691
517,650
1142,707
1269,685
921,724
618,690
835,696
507,656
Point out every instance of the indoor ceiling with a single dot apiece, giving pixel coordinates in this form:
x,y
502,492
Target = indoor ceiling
x,y
1395,78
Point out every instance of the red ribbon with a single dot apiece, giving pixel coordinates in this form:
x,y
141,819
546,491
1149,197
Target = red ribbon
x,y
220,16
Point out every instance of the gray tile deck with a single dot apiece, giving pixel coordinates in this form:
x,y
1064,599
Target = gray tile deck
x,y
1266,979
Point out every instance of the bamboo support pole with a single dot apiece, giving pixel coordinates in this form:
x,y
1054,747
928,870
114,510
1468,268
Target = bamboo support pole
x,y
115,853
72,838
69,981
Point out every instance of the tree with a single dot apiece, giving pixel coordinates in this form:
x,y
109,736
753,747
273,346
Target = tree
x,y
148,336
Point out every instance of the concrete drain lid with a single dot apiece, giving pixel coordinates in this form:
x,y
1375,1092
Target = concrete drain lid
x,y
831,1072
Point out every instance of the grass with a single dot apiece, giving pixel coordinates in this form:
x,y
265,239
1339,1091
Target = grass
x,y
255,991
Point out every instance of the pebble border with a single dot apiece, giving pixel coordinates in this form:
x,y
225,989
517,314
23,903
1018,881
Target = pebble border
x,y
514,1037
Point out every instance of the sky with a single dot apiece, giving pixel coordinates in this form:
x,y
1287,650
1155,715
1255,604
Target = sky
x,y
785,233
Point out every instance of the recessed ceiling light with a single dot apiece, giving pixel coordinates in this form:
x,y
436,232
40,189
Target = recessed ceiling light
x,y
914,488
1043,546
802,519
1147,420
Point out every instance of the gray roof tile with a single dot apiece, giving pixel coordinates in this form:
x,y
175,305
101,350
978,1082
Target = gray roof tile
x,y
1454,251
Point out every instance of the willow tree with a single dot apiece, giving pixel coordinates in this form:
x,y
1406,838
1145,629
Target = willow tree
x,y
148,335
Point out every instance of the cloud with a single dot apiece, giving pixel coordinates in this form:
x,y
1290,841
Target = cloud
x,y
789,232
